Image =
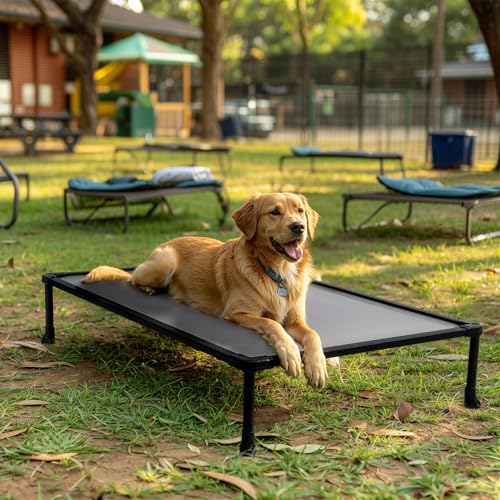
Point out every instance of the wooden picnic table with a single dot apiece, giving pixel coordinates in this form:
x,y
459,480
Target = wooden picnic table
x,y
30,127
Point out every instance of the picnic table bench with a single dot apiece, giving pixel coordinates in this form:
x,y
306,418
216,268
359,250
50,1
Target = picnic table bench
x,y
29,128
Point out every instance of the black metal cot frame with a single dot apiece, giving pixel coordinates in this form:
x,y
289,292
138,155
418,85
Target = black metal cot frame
x,y
156,197
389,198
223,152
452,328
359,155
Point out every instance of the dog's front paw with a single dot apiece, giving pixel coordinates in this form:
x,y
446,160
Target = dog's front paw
x,y
289,355
315,367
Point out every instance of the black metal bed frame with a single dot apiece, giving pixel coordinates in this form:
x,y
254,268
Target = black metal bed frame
x,y
358,155
156,197
247,351
388,198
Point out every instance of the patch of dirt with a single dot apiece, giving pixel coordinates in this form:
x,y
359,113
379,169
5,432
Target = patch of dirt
x,y
53,378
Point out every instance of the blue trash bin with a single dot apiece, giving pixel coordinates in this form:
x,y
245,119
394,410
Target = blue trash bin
x,y
230,126
452,148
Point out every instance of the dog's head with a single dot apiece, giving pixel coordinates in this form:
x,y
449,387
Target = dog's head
x,y
281,222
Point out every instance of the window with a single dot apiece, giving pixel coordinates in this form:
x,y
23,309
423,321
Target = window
x,y
166,80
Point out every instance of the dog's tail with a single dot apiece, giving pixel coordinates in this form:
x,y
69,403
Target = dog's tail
x,y
103,273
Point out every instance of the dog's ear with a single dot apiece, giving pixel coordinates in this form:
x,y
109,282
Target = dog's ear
x,y
312,218
246,217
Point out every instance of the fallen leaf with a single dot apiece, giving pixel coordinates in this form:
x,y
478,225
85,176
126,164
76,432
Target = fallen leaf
x,y
308,448
51,457
7,435
194,449
417,462
389,432
492,329
179,368
473,438
243,485
237,439
448,357
234,440
32,402
300,448
9,344
50,364
197,462
165,463
9,242
276,446
358,424
403,411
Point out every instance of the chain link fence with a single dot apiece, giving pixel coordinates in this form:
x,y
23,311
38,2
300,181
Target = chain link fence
x,y
375,101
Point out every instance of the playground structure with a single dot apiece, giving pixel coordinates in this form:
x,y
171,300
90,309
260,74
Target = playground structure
x,y
126,73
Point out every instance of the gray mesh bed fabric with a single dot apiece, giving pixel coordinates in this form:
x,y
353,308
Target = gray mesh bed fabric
x,y
348,322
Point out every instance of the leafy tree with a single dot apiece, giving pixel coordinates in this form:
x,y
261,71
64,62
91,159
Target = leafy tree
x,y
86,23
402,23
488,16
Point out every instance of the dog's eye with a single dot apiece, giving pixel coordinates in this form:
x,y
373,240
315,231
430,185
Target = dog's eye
x,y
301,210
275,212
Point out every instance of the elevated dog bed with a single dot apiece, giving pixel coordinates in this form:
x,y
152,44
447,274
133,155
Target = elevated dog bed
x,y
410,191
95,195
313,153
347,322
428,187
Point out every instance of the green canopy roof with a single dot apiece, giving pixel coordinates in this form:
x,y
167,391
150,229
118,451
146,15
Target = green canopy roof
x,y
140,47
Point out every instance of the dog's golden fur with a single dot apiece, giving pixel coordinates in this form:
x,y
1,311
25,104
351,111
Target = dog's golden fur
x,y
228,279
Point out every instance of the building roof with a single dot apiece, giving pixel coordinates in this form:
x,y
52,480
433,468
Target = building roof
x,y
115,19
140,47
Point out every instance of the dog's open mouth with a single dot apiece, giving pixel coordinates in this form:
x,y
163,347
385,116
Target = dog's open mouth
x,y
292,250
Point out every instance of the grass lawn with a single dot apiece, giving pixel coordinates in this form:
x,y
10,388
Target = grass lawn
x,y
130,414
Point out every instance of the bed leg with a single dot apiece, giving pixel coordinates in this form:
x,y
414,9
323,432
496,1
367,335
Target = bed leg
x,y
247,446
49,337
468,226
470,398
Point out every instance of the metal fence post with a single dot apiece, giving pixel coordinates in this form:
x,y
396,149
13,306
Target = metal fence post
x,y
361,97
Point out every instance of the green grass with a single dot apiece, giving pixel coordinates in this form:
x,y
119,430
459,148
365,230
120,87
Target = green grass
x,y
130,420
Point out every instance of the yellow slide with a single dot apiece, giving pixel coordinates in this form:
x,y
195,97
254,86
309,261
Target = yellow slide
x,y
104,78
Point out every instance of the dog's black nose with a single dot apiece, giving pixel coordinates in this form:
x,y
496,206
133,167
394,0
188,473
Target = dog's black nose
x,y
297,227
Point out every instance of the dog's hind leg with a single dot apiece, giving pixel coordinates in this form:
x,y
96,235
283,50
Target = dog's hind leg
x,y
157,271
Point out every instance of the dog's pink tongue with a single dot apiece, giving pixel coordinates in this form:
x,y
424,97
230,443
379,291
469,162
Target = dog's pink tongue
x,y
293,250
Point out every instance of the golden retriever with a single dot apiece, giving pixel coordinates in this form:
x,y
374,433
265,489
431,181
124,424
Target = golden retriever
x,y
258,280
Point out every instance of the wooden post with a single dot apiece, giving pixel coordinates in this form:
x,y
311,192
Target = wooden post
x,y
144,77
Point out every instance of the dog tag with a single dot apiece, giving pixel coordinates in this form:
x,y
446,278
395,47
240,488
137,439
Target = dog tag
x,y
282,292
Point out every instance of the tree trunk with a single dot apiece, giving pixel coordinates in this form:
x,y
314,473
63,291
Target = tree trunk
x,y
88,92
488,16
86,24
212,25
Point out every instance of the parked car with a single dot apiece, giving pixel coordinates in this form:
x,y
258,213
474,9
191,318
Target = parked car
x,y
254,115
